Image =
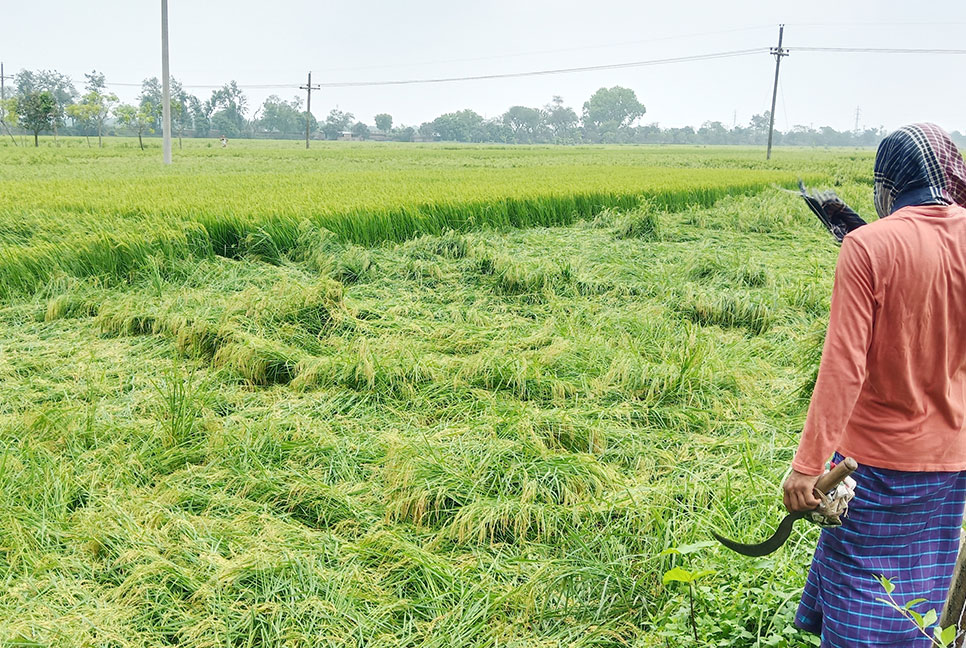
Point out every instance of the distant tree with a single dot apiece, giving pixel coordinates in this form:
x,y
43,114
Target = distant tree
x,y
384,122
200,112
25,83
60,87
151,96
495,130
525,123
427,131
609,110
360,131
138,118
8,110
405,134
225,123
82,114
759,125
685,135
95,82
180,119
280,116
181,115
226,110
150,92
336,123
96,107
8,115
561,120
713,132
36,112
460,126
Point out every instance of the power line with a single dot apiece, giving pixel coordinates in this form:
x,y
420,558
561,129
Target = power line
x,y
553,51
877,50
589,68
863,23
250,86
643,42
480,77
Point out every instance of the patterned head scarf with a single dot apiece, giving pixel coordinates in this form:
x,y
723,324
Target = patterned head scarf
x,y
918,165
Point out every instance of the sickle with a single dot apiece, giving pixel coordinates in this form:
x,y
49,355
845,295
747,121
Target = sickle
x,y
825,483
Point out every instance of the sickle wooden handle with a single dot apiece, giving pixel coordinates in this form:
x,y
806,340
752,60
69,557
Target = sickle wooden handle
x,y
834,477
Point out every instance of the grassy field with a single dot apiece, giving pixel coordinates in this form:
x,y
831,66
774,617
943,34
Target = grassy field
x,y
387,395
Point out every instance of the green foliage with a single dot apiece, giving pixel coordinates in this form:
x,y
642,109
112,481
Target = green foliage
x,y
460,126
608,111
57,85
336,123
279,116
383,122
498,428
36,112
232,206
940,637
140,119
226,110
360,131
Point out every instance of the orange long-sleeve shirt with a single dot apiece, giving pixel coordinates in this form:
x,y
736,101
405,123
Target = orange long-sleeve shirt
x,y
891,389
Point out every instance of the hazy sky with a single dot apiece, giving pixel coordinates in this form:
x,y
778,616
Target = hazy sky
x,y
258,43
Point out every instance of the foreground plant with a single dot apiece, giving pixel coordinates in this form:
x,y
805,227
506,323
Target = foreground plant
x,y
941,637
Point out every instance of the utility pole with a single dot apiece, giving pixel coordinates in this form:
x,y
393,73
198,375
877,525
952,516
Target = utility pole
x,y
308,87
778,52
165,86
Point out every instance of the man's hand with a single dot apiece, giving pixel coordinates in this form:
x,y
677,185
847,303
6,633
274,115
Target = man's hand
x,y
799,492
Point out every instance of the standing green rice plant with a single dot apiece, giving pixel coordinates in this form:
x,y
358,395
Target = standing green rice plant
x,y
182,398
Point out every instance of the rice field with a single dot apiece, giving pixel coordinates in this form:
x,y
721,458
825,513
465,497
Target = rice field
x,y
404,395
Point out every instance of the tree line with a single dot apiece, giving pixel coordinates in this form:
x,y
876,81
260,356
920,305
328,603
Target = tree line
x,y
47,101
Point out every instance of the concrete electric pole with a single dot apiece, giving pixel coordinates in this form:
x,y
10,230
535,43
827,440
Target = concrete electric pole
x,y
779,53
308,87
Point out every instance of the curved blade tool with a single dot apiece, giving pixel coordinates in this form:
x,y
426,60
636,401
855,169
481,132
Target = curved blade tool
x,y
826,483
776,540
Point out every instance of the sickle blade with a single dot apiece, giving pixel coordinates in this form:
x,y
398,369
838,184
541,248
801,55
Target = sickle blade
x,y
776,540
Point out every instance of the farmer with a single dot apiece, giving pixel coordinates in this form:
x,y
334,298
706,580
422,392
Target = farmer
x,y
891,392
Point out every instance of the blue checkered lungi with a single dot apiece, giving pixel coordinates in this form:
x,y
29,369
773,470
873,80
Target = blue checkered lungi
x,y
903,525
